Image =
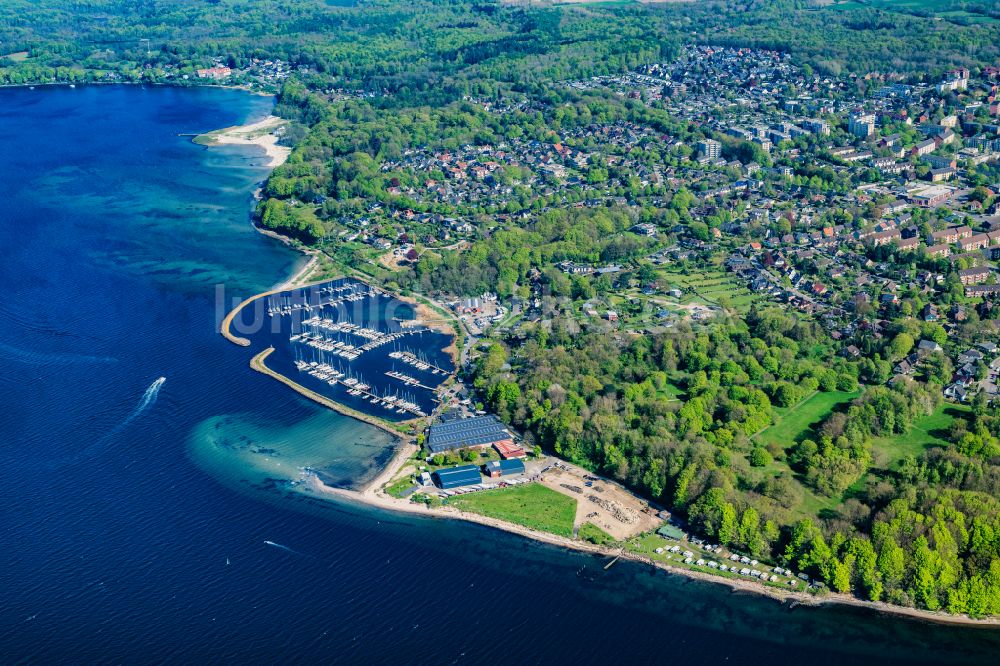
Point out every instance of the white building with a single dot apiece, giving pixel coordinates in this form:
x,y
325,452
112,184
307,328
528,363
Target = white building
x,y
710,148
861,124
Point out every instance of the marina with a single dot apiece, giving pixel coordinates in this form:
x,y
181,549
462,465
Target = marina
x,y
200,476
413,360
356,345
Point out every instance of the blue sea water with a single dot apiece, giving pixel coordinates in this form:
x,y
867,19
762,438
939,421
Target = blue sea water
x,y
134,512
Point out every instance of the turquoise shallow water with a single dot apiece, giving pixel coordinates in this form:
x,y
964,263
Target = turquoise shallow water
x,y
242,447
135,512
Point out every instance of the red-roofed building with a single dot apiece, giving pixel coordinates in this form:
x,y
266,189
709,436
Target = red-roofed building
x,y
508,449
214,73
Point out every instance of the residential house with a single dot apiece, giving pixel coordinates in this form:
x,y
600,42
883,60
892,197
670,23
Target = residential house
x,y
928,347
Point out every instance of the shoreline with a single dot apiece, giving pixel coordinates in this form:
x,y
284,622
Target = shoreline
x,y
172,84
371,496
261,133
430,317
299,278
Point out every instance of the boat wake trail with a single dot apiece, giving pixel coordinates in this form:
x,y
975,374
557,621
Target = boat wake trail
x,y
285,548
41,358
148,398
147,401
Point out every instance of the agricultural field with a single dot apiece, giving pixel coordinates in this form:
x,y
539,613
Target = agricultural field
x,y
710,287
532,505
943,9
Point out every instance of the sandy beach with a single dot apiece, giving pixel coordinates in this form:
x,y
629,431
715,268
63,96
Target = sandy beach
x,y
302,276
372,494
262,133
431,318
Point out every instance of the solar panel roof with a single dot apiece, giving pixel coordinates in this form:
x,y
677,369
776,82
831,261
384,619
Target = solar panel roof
x,y
465,432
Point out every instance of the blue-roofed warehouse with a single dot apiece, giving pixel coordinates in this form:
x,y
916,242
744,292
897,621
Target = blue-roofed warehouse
x,y
460,433
455,477
504,467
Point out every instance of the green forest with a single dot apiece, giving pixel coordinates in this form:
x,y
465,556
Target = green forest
x,y
680,415
923,533
440,49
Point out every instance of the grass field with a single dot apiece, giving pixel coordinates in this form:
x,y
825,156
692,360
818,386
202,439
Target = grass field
x,y
531,505
399,486
794,423
925,433
594,534
671,392
797,422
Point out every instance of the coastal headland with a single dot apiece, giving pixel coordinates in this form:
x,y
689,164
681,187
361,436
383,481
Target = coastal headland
x,y
374,493
264,134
